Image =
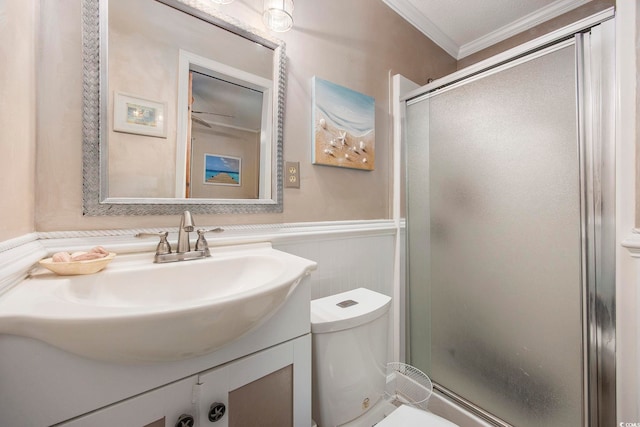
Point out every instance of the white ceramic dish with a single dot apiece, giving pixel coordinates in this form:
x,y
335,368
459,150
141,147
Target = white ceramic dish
x,y
74,268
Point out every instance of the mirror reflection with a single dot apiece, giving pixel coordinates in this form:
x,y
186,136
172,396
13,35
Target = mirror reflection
x,y
189,106
223,151
147,44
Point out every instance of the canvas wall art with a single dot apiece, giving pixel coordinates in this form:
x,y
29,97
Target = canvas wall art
x,y
344,127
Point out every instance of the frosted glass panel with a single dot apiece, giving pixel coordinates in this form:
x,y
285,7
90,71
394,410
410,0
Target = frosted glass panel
x,y
494,241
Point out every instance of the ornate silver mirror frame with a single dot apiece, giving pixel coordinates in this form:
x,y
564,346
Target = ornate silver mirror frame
x,y
95,191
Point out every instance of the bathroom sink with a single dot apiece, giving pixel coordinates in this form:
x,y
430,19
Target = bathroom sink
x,y
136,311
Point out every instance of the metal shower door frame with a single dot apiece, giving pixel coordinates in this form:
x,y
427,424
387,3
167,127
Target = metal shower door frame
x,y
594,39
596,132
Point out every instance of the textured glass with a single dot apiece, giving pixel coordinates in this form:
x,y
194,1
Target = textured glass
x,y
494,241
417,200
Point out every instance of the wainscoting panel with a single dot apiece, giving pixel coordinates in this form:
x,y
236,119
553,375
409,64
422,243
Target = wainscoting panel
x,y
346,263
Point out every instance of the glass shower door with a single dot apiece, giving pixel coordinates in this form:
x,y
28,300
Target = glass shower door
x,y
494,214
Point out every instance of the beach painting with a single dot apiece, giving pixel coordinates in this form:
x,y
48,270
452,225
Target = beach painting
x,y
344,127
222,170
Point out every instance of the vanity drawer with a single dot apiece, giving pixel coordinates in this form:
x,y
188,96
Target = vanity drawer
x,y
158,408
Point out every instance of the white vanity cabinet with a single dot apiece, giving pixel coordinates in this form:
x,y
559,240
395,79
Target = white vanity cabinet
x,y
268,388
42,386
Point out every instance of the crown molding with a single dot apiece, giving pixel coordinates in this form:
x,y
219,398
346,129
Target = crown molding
x,y
518,26
416,18
503,57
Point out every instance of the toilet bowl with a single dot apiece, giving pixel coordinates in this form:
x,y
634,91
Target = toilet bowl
x,y
406,416
350,344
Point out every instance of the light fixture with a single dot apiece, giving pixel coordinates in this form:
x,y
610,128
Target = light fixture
x,y
278,15
222,1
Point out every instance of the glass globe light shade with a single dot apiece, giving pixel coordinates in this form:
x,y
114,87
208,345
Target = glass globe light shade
x,y
278,15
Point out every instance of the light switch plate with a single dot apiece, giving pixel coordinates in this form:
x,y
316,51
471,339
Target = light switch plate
x,y
292,174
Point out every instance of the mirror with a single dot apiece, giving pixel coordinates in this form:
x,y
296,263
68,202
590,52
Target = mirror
x,y
183,110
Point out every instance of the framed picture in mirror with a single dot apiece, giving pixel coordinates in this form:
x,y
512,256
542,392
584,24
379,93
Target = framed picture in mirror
x,y
139,115
222,170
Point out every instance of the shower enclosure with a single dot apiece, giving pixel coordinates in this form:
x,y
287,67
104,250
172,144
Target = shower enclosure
x,y
510,234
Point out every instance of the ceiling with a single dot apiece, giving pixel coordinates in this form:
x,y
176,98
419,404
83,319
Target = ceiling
x,y
464,27
219,102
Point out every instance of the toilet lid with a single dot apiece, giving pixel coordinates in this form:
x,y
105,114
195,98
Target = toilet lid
x,y
406,416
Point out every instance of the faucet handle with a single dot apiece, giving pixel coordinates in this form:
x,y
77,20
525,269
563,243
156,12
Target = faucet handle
x,y
163,246
213,230
201,243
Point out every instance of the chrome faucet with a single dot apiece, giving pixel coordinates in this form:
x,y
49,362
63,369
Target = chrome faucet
x,y
183,252
186,227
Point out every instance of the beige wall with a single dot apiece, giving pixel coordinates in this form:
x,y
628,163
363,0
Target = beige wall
x,y
357,44
17,116
581,12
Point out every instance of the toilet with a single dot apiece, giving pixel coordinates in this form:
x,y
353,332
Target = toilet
x,y
350,338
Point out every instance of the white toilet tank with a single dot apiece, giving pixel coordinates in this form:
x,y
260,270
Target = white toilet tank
x,y
349,335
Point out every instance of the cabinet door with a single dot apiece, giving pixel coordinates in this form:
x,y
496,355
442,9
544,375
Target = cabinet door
x,y
158,408
271,388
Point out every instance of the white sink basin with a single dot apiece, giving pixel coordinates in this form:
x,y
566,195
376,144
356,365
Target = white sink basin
x,y
137,311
